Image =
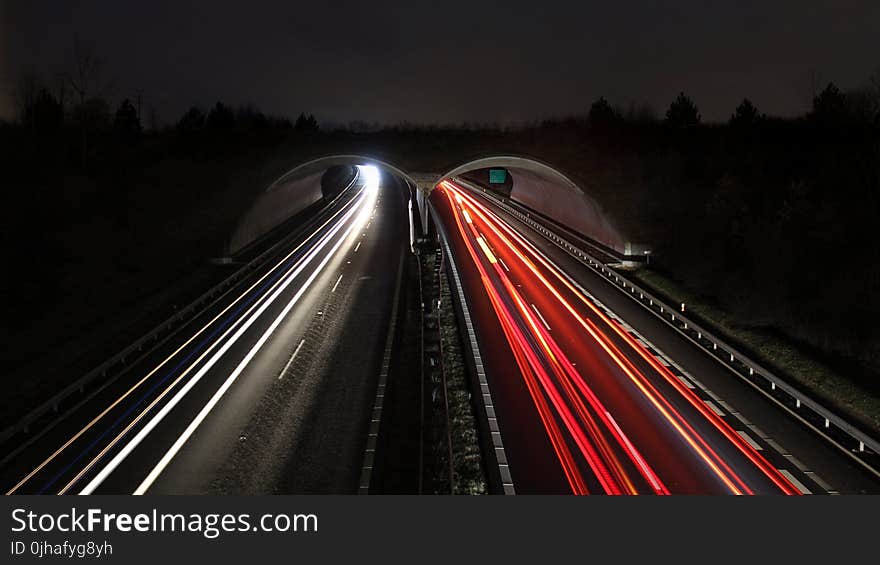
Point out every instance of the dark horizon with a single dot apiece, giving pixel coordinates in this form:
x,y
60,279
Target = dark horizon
x,y
394,65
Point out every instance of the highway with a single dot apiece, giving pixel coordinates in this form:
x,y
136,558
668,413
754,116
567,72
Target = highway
x,y
271,387
269,390
586,402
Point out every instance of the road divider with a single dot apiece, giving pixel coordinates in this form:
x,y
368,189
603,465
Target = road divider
x,y
844,435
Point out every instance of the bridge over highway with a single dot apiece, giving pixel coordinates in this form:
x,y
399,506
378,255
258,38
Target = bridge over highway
x,y
543,187
277,378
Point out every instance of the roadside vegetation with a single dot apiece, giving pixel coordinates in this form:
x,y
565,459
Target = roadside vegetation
x,y
842,385
457,462
107,204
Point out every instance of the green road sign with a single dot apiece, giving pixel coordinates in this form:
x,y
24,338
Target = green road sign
x,y
497,176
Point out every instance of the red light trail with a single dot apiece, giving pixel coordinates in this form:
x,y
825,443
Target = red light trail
x,y
581,400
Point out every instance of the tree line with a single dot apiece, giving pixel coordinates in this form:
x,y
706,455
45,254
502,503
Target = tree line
x,y
774,217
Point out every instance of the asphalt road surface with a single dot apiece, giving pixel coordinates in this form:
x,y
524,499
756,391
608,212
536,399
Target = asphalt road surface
x,y
267,391
596,395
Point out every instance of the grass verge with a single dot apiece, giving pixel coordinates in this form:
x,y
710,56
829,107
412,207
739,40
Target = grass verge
x,y
791,360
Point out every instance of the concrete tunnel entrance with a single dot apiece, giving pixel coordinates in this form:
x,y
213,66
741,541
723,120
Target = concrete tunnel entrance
x,y
530,182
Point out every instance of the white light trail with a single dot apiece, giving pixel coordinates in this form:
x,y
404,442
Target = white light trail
x,y
366,200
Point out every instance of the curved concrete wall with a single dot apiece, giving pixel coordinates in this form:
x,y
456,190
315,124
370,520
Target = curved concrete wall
x,y
535,184
547,190
282,199
321,164
568,206
514,162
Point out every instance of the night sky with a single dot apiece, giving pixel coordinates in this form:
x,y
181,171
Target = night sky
x,y
505,61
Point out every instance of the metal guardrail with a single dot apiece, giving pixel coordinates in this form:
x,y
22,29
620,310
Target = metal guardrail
x,y
834,428
149,341
598,248
490,432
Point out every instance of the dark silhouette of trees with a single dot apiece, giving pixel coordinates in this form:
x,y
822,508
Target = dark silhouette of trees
x,y
829,107
638,113
602,115
88,85
127,123
249,117
92,116
304,123
682,113
746,114
221,117
26,90
193,120
225,118
44,115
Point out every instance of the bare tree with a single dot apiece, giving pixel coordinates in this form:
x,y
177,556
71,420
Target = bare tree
x,y
86,75
87,83
25,95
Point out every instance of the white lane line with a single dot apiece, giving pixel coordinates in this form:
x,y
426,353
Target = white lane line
x,y
337,284
796,462
356,247
203,413
800,486
749,440
758,431
148,428
171,356
686,382
289,361
818,480
503,264
640,461
714,408
782,451
669,362
543,321
726,406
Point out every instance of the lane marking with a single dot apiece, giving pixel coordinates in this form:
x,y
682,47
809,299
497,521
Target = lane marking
x,y
757,430
796,462
714,408
686,382
669,362
818,480
356,247
750,441
800,486
292,357
503,264
486,250
203,413
543,321
147,429
184,345
782,451
337,284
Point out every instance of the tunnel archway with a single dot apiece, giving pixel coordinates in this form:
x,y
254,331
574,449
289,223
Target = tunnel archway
x,y
514,162
552,192
319,164
536,184
295,190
